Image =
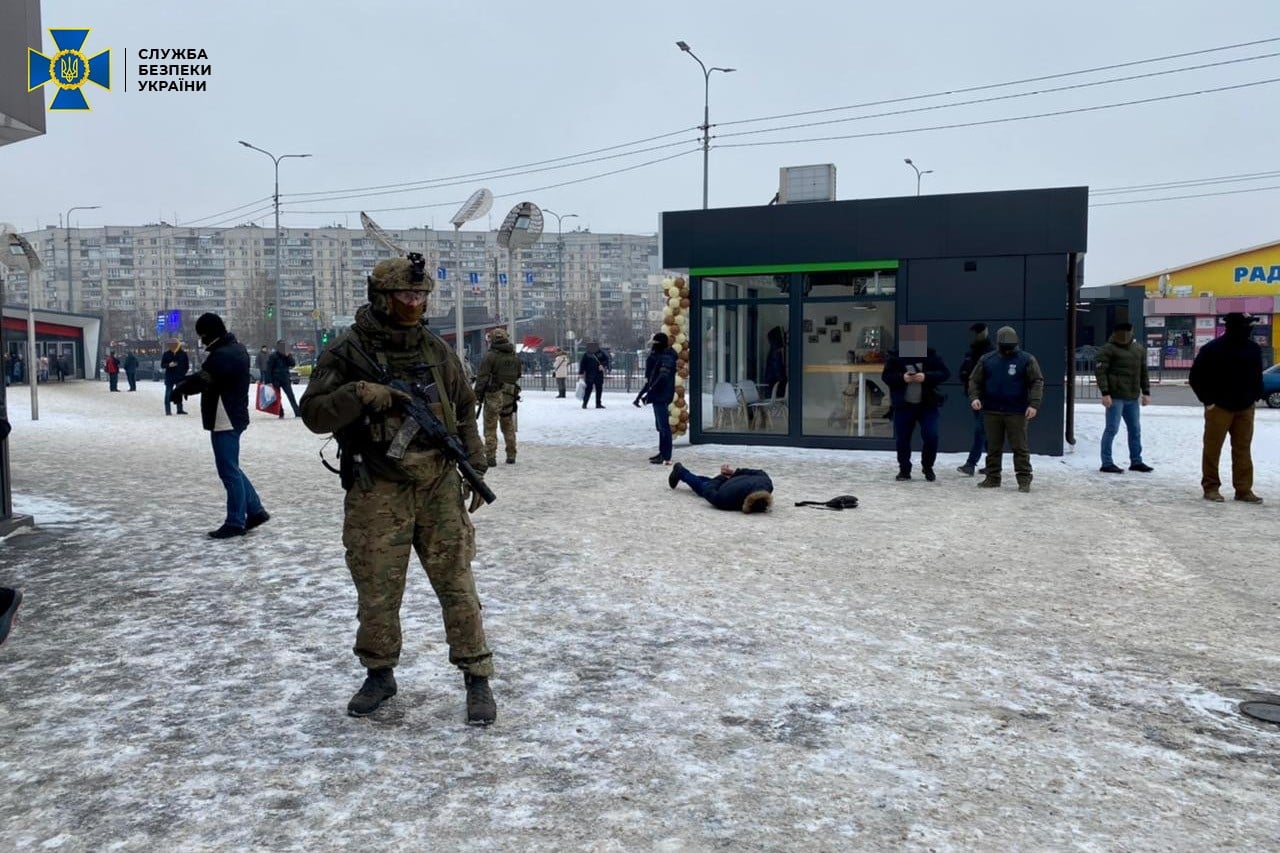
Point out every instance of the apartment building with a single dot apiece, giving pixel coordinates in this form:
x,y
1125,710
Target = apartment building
x,y
131,274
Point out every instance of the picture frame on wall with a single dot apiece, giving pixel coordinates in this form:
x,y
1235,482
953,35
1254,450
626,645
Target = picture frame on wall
x,y
813,339
808,325
835,336
831,321
822,330
848,326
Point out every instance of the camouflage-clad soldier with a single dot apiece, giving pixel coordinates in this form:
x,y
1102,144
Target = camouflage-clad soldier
x,y
497,381
417,501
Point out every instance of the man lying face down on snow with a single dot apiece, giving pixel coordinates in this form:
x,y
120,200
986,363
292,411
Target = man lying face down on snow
x,y
746,489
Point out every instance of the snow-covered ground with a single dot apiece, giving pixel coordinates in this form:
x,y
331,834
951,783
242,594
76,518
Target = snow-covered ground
x,y
941,668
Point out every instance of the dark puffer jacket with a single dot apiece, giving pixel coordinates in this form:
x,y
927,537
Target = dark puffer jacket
x,y
1227,372
222,379
730,492
1121,370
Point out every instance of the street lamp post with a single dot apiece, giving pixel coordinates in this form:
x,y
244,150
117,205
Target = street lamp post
x,y
276,202
560,271
706,112
919,174
70,285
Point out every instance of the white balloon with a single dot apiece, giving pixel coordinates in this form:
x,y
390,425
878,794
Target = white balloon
x,y
675,348
681,339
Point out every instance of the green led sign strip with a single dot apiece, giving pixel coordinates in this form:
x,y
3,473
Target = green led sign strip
x,y
783,268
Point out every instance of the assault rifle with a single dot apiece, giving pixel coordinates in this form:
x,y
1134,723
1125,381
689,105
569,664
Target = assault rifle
x,y
421,420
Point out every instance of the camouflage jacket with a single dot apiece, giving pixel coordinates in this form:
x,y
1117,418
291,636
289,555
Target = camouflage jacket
x,y
500,366
330,403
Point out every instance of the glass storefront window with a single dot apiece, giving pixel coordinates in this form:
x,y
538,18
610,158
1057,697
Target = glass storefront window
x,y
745,286
744,368
844,348
850,283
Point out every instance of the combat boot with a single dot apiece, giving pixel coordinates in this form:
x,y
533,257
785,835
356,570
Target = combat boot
x,y
378,687
481,709
989,482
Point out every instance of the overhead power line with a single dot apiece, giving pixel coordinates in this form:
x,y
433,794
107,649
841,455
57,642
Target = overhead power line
x,y
1179,197
997,98
519,192
1190,182
1007,119
491,177
563,162
984,87
482,174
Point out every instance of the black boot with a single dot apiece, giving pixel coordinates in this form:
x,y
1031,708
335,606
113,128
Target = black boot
x,y
378,687
481,709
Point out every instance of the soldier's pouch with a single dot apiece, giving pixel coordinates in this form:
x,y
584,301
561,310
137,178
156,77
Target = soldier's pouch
x,y
510,396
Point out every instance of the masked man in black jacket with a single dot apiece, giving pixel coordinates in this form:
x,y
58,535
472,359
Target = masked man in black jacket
x,y
223,383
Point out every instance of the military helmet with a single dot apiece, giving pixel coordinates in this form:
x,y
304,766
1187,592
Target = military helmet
x,y
401,274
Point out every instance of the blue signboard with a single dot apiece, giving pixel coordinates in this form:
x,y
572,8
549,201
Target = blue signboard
x,y
502,278
528,278
475,278
441,273
160,322
173,322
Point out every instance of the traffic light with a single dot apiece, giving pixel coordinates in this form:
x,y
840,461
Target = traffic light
x,y
271,310
326,335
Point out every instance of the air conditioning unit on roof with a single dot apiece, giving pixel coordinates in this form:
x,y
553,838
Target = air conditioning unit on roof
x,y
807,183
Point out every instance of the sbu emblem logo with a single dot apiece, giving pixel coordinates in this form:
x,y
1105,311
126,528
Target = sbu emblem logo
x,y
69,69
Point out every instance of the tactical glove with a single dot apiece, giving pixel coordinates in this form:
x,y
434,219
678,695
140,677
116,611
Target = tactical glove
x,y
379,397
472,499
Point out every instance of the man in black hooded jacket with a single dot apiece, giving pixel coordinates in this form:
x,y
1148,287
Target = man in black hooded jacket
x,y
979,345
223,383
1227,378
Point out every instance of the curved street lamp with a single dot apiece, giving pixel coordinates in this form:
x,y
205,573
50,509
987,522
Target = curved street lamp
x,y
706,112
70,293
276,201
560,273
919,174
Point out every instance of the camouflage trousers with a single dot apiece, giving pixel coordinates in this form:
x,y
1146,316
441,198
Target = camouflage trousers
x,y
427,515
493,404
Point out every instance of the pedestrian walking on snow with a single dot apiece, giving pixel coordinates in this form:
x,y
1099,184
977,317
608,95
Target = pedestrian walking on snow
x,y
913,386
979,345
659,391
131,370
279,363
112,366
560,369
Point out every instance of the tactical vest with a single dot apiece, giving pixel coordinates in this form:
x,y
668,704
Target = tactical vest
x,y
423,365
1005,382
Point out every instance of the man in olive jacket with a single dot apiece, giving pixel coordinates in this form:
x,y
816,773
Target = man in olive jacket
x,y
1121,373
401,499
1007,386
496,384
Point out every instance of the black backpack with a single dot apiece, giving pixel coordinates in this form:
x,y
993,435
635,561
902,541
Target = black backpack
x,y
839,502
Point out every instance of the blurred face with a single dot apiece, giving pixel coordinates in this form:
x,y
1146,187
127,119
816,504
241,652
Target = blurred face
x,y
407,306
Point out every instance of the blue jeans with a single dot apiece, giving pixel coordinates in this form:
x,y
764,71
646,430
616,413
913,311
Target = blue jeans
x,y
979,445
661,419
693,481
905,418
242,499
1128,410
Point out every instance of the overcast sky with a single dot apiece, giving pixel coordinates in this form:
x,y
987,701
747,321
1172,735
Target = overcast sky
x,y
385,93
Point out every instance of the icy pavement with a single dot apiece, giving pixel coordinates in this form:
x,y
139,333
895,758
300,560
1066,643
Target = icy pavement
x,y
941,668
